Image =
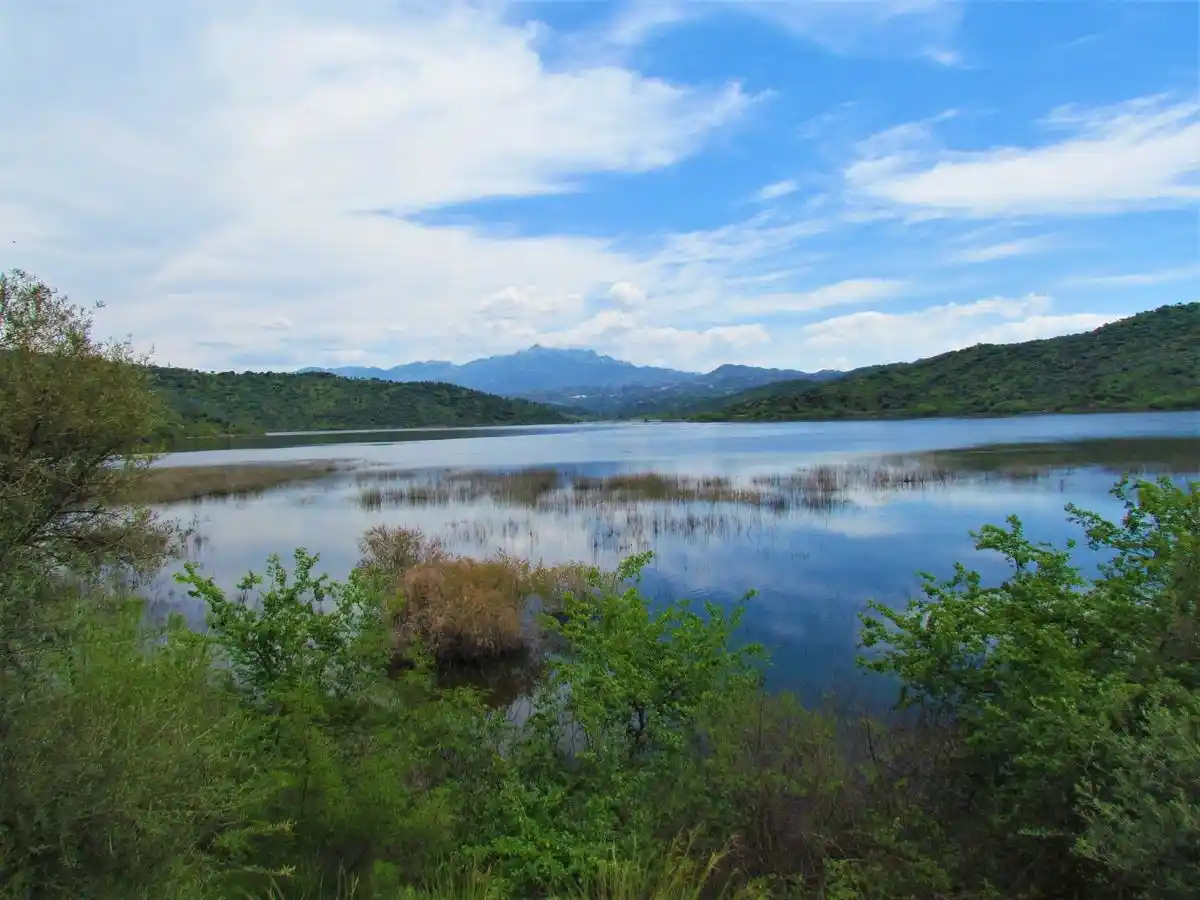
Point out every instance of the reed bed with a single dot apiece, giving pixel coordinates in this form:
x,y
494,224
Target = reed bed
x,y
176,484
820,488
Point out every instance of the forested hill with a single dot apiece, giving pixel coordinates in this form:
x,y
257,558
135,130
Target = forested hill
x,y
203,403
1148,361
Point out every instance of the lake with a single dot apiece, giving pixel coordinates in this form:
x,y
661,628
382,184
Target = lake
x,y
797,512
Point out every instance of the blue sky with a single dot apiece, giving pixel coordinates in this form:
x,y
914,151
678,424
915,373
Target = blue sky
x,y
277,184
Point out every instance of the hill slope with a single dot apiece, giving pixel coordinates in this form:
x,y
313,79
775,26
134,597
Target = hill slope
x,y
584,379
255,402
1148,361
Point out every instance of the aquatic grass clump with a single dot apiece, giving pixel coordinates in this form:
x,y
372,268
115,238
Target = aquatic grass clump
x,y
525,487
459,608
177,484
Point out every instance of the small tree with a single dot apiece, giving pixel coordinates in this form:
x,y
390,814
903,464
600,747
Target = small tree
x,y
74,415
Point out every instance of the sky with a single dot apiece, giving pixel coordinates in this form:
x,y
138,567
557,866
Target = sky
x,y
260,184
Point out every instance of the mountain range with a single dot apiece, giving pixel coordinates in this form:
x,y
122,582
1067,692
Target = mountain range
x,y
586,380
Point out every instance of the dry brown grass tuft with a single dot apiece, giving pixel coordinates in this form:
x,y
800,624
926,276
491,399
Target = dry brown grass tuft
x,y
459,608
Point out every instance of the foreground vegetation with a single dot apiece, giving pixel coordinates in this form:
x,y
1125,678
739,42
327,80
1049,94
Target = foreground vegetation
x,y
307,747
1148,361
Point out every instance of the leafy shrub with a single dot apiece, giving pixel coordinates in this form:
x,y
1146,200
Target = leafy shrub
x,y
124,770
1035,674
613,725
357,766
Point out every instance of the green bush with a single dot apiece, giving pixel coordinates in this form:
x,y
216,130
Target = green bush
x,y
1048,678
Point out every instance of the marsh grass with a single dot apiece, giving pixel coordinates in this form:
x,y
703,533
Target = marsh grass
x,y
176,484
458,608
822,488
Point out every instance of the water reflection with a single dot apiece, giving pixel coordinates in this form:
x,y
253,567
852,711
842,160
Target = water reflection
x,y
718,524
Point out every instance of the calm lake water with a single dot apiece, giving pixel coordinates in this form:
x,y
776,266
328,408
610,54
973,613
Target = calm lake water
x,y
815,565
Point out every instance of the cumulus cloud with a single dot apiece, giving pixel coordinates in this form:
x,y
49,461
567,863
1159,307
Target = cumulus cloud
x,y
870,337
271,160
631,336
626,296
253,185
1137,155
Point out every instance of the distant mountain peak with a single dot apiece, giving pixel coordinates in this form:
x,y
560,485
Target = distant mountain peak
x,y
564,352
561,374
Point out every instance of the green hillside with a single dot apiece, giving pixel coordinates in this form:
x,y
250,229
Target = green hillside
x,y
203,403
1148,361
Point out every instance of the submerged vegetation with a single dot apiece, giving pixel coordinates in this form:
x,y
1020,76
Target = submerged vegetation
x,y
1054,751
1147,361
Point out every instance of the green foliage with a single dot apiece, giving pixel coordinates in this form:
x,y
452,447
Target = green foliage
x,y
1148,361
1054,681
124,771
204,403
354,763
304,631
1142,813
73,418
1059,757
612,726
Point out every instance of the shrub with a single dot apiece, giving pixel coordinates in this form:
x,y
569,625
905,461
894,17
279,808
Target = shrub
x,y
1043,674
357,765
124,770
459,608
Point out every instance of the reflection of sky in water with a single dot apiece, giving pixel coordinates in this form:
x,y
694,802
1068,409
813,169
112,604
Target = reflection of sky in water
x,y
715,448
813,571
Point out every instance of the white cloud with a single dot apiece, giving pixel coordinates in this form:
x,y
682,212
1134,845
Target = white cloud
x,y
1137,155
948,58
886,27
871,337
1002,250
924,28
221,166
529,302
635,22
776,190
850,291
1137,279
626,296
631,336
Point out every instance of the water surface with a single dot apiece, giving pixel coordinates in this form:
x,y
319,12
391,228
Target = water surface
x,y
814,565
